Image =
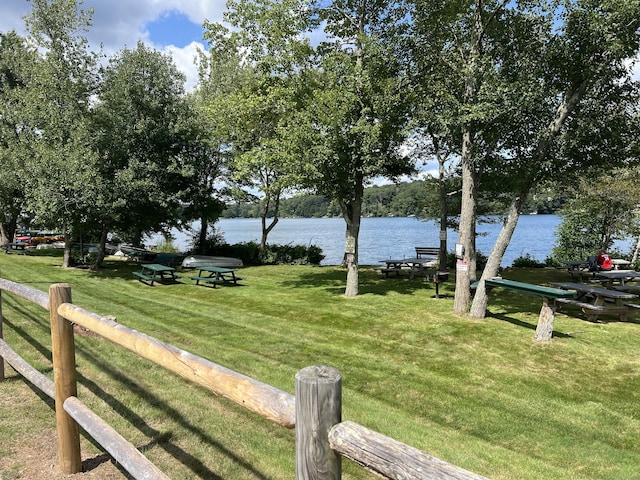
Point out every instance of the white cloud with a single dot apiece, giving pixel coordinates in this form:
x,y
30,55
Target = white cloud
x,y
184,59
122,23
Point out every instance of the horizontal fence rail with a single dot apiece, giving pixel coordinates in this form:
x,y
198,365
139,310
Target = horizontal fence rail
x,y
44,383
315,411
390,458
28,293
263,399
124,452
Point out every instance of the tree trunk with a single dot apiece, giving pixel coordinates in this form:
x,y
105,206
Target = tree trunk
x,y
480,299
101,249
202,235
442,267
465,269
8,229
352,215
635,252
266,229
66,258
351,257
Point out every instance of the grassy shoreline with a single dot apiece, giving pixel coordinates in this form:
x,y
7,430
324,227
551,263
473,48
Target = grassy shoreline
x,y
480,394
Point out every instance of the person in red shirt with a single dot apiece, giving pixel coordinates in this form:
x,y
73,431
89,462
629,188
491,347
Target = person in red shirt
x,y
604,261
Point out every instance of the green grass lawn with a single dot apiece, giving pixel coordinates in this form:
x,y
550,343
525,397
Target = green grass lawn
x,y
481,394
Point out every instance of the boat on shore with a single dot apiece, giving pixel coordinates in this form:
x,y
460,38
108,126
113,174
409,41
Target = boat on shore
x,y
195,261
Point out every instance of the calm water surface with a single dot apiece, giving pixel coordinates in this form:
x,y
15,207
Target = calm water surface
x,y
382,238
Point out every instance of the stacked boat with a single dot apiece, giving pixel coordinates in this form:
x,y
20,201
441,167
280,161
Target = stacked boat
x,y
195,261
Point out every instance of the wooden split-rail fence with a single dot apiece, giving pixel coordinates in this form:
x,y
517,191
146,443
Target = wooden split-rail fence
x,y
315,411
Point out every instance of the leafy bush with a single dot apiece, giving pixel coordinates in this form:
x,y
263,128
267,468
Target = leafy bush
x,y
166,246
527,261
251,254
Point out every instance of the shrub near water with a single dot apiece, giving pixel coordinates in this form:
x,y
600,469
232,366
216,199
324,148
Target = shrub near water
x,y
252,254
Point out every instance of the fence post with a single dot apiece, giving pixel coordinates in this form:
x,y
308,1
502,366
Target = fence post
x,y
318,408
64,377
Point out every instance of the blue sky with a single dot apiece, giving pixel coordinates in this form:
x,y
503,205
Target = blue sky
x,y
173,26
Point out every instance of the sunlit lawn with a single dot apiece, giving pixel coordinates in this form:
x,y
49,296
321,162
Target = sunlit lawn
x,y
480,394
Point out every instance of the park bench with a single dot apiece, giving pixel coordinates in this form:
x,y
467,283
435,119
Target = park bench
x,y
550,297
142,276
212,280
428,252
155,272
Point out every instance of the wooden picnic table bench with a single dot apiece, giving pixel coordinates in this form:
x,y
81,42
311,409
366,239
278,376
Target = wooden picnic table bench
x,y
19,247
544,329
216,276
428,252
600,300
155,272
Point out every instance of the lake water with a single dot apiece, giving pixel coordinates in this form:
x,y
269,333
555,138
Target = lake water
x,y
383,238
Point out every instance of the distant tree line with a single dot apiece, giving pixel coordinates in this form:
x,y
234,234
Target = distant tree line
x,y
405,199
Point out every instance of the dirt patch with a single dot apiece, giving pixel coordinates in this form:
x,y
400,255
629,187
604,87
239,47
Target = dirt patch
x,y
35,457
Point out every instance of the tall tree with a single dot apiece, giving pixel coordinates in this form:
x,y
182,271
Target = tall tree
x,y
587,88
269,81
355,119
143,137
346,126
60,172
522,70
16,61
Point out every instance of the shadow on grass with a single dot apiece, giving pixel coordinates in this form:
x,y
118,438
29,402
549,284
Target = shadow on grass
x,y
333,280
519,323
45,352
162,440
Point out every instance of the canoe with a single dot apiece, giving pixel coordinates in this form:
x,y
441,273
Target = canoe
x,y
195,261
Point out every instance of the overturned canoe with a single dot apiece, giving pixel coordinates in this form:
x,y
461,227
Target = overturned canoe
x,y
195,261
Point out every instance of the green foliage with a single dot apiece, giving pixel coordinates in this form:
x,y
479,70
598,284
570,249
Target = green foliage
x,y
252,254
527,261
143,140
166,245
16,60
55,109
601,213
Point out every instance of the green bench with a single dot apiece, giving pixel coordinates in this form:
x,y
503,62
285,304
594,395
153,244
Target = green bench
x,y
212,280
530,288
550,299
146,278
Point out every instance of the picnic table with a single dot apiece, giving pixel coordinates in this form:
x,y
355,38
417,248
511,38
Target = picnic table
x,y
155,272
412,265
215,276
597,300
17,246
619,262
578,269
617,277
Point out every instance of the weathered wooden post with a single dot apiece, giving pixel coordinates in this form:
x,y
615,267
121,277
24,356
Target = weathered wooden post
x,y
64,377
318,408
544,329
